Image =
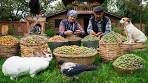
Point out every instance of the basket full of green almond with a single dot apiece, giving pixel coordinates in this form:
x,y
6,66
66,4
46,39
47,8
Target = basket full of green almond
x,y
90,41
128,63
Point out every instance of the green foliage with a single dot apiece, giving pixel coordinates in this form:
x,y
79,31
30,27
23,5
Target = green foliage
x,y
145,14
13,9
16,9
117,29
146,29
128,8
50,32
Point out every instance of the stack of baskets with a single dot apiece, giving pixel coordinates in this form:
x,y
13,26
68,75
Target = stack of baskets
x,y
8,46
77,54
32,44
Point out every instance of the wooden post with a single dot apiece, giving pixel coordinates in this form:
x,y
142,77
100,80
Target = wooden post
x,y
4,29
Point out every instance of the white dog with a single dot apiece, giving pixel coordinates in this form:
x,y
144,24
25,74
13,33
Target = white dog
x,y
16,66
133,34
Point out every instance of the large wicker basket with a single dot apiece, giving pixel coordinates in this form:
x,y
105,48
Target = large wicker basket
x,y
33,45
28,50
87,60
109,52
9,50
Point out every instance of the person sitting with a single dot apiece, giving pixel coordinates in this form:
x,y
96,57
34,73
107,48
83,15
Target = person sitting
x,y
36,29
99,24
70,26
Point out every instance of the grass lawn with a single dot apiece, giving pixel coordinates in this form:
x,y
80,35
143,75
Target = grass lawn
x,y
104,74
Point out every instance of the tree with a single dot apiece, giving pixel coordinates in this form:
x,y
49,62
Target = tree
x,y
128,8
13,9
16,9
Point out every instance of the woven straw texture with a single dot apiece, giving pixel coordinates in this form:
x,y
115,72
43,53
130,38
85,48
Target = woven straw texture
x,y
109,52
28,51
8,50
87,60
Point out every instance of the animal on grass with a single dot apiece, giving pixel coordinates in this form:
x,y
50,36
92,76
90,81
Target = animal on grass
x,y
72,70
16,66
133,34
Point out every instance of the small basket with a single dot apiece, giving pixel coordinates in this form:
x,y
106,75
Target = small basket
x,y
7,51
86,60
109,51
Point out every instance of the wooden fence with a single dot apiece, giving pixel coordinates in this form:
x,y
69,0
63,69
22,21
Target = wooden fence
x,y
14,27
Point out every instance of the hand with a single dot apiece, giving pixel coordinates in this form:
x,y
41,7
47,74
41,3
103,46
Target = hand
x,y
68,32
92,33
77,32
99,34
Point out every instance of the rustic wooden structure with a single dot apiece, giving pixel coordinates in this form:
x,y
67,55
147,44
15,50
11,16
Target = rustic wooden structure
x,y
21,27
84,9
37,20
13,27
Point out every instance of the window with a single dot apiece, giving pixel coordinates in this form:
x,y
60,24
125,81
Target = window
x,y
57,22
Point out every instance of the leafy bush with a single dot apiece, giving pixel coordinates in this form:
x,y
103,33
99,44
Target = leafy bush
x,y
146,29
117,29
50,32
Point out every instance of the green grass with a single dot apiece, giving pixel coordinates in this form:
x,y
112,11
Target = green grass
x,y
104,74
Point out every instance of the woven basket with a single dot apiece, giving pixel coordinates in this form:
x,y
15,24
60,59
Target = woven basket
x,y
53,45
86,60
28,50
126,48
9,50
109,52
122,70
74,40
138,46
